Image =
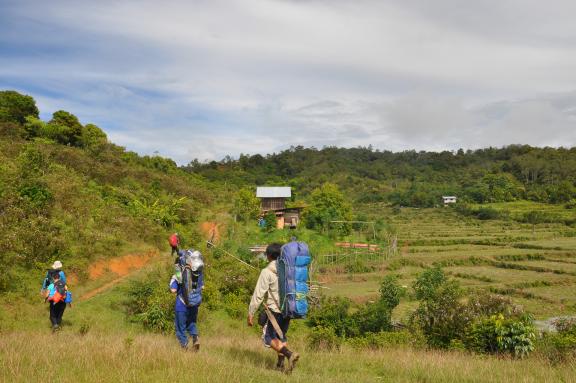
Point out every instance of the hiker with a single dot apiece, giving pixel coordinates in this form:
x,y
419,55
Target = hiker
x,y
174,241
56,267
56,294
268,285
187,283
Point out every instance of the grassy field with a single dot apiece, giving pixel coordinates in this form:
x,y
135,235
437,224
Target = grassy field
x,y
231,354
536,268
99,343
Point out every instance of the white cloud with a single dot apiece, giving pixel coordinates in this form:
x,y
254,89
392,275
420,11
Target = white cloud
x,y
224,77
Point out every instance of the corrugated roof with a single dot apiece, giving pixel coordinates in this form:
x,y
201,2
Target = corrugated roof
x,y
273,192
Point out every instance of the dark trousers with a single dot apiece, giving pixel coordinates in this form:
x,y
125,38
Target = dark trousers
x,y
56,312
174,250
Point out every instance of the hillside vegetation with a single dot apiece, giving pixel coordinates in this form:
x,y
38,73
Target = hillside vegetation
x,y
67,193
435,294
411,178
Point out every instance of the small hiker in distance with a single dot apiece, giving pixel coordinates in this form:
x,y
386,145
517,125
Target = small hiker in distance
x,y
174,241
277,324
187,283
56,292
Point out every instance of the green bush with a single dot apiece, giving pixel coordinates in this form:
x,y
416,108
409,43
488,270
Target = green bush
x,y
323,338
499,335
331,312
384,339
370,318
149,303
486,213
358,267
390,291
236,305
439,314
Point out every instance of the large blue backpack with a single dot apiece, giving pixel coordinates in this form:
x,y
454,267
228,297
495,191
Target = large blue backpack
x,y
292,268
191,266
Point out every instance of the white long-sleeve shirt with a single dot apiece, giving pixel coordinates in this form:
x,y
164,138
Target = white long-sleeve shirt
x,y
267,283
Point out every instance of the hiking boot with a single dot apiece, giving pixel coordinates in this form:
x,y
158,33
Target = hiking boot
x,y
196,345
292,362
55,328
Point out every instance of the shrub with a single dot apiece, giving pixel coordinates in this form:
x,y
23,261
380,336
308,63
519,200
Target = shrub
x,y
270,221
390,291
560,346
358,267
484,304
324,339
486,213
148,303
383,339
370,318
331,312
439,314
235,305
497,335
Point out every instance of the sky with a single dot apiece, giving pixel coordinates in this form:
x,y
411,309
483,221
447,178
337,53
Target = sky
x,y
209,78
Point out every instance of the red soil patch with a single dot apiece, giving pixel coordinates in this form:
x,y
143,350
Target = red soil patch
x,y
210,231
120,266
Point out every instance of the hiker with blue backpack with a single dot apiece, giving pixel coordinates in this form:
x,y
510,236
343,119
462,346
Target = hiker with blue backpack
x,y
284,283
187,283
57,294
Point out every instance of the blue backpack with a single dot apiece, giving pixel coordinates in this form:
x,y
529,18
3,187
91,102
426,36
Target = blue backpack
x,y
191,265
292,268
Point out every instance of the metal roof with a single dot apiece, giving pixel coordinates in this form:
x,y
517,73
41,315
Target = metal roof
x,y
273,192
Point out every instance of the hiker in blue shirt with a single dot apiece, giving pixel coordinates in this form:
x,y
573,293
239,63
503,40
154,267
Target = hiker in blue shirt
x,y
56,294
187,304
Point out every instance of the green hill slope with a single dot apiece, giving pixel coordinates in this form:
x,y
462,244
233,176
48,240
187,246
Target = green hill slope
x,y
67,193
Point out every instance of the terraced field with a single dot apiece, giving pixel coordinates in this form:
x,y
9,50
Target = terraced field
x,y
536,267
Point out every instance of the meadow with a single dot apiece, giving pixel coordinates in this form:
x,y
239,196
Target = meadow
x,y
99,344
536,267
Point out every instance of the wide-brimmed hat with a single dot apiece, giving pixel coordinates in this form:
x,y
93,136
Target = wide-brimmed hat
x,y
57,265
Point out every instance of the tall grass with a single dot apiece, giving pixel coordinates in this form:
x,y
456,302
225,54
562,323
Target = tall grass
x,y
237,356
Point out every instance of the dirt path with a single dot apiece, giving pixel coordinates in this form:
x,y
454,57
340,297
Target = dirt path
x,y
128,264
122,266
211,231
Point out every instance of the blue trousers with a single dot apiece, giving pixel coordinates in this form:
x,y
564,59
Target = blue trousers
x,y
186,321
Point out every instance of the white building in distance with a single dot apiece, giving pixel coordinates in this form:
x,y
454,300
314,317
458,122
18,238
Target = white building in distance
x,y
448,199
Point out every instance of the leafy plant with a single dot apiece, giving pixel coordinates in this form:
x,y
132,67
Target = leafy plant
x,y
323,338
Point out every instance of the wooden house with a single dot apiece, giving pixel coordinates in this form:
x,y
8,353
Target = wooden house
x,y
273,198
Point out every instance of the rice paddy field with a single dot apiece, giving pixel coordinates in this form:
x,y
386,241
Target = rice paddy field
x,y
535,266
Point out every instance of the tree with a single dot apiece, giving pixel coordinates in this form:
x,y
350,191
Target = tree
x,y
93,137
246,205
328,204
66,129
15,107
440,313
534,217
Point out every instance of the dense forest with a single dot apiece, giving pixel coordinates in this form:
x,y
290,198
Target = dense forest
x,y
410,178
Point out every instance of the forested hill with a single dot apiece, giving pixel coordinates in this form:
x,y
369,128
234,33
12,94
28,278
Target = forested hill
x,y
411,178
67,193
